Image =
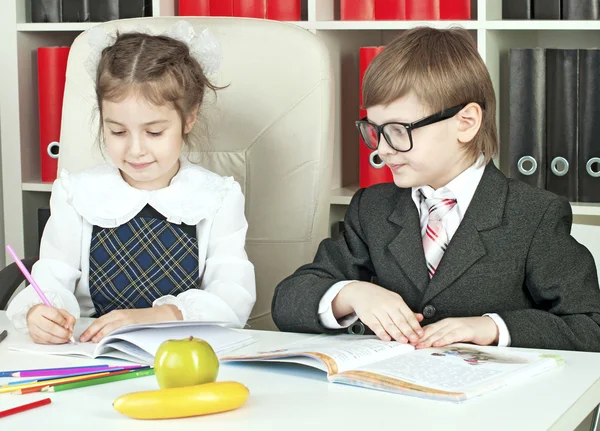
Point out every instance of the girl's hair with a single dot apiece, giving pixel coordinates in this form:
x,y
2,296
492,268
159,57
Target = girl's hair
x,y
158,68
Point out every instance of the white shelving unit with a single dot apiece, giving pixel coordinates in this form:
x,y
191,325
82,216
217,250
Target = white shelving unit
x,y
23,192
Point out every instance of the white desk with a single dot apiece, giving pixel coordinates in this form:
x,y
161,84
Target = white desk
x,y
290,397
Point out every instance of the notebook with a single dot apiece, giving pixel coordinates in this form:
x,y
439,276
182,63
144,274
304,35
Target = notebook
x,y
138,343
454,373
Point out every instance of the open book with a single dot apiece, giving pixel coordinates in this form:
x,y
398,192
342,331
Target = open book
x,y
139,343
453,373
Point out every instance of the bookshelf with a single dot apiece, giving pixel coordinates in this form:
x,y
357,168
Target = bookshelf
x,y
23,192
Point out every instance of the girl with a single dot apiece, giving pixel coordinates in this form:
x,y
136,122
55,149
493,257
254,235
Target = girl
x,y
149,237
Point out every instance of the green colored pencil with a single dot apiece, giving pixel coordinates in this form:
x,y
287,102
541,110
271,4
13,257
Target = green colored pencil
x,y
99,381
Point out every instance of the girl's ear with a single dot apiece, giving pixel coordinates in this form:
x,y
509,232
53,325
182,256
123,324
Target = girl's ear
x,y
191,120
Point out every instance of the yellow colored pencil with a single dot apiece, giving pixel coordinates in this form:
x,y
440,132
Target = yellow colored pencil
x,y
15,388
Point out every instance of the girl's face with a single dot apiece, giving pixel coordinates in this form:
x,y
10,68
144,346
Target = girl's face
x,y
143,140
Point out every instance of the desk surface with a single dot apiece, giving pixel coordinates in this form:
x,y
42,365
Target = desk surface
x,y
288,396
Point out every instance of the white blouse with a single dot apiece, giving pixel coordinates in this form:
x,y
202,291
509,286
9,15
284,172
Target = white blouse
x,y
100,196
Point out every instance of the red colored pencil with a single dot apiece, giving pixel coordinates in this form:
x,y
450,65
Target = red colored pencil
x,y
25,407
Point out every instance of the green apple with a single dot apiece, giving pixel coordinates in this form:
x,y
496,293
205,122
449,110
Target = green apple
x,y
186,362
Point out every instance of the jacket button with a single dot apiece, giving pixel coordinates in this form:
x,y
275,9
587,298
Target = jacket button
x,y
357,328
428,311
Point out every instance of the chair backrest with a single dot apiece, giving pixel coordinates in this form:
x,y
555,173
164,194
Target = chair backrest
x,y
271,129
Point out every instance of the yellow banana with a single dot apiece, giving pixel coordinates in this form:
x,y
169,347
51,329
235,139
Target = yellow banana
x,y
183,401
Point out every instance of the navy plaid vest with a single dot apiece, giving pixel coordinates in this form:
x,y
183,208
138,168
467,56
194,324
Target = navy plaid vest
x,y
136,263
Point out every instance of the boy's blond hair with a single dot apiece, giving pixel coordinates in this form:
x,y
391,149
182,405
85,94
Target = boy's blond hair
x,y
443,69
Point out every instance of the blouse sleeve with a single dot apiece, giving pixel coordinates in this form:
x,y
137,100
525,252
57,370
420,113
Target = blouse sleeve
x,y
228,289
59,266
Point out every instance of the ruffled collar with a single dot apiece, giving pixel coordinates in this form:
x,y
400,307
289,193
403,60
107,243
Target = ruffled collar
x,y
102,197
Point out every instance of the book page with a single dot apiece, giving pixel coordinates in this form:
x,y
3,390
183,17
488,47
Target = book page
x,y
338,352
458,368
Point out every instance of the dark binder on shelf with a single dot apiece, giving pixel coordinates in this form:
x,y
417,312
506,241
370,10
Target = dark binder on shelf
x,y
108,10
561,122
194,8
357,10
422,10
527,116
284,10
517,9
455,9
390,10
75,11
589,126
581,9
46,10
547,9
250,8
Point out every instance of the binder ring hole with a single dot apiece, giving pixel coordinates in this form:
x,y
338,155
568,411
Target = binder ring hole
x,y
593,167
53,148
527,165
375,160
559,166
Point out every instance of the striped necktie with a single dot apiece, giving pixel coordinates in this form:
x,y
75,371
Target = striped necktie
x,y
435,239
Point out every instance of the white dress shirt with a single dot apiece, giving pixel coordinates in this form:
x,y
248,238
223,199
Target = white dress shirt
x,y
463,188
100,197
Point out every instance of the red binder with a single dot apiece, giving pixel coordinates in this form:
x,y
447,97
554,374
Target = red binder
x,y
194,8
455,9
221,7
367,174
423,10
52,69
250,8
357,10
390,10
283,10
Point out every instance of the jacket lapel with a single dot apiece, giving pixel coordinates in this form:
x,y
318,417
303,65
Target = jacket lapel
x,y
407,246
466,247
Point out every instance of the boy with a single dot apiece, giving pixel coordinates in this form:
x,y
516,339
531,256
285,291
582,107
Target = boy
x,y
453,251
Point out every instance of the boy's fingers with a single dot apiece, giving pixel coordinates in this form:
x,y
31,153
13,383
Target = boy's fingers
x,y
373,323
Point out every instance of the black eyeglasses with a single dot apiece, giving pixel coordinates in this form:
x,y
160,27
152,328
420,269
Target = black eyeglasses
x,y
399,135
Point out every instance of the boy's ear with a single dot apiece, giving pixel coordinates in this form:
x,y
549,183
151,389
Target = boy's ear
x,y
469,122
191,120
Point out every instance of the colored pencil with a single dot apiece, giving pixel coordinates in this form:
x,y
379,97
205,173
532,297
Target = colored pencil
x,y
45,373
60,376
36,387
11,373
25,407
99,381
32,281
3,335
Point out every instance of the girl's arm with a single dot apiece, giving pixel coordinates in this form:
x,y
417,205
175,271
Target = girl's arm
x,y
58,267
228,290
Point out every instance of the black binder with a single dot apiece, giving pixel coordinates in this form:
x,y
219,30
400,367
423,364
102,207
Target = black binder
x,y
527,116
562,121
517,9
108,10
75,10
546,9
581,9
45,10
589,126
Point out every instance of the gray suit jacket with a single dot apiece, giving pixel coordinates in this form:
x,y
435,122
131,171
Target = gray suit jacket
x,y
512,255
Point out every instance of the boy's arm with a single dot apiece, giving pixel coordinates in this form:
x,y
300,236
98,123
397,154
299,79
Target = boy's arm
x,y
562,280
295,305
59,264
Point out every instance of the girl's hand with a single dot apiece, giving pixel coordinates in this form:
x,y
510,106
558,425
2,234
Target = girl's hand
x,y
107,323
49,325
382,310
477,330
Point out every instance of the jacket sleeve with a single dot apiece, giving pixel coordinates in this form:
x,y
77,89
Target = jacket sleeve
x,y
59,266
296,300
562,281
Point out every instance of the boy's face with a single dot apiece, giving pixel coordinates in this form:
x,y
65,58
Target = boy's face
x,y
436,157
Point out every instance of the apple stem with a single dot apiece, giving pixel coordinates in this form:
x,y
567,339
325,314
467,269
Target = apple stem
x,y
191,337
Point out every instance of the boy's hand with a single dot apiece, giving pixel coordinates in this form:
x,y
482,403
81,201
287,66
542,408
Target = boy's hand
x,y
107,323
49,325
477,330
383,311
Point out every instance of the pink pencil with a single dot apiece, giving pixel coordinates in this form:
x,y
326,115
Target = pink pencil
x,y
31,280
